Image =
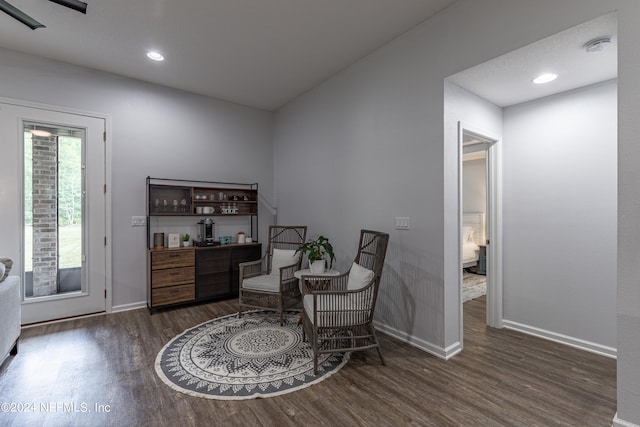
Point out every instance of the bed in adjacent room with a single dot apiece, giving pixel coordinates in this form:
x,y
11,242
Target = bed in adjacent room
x,y
473,234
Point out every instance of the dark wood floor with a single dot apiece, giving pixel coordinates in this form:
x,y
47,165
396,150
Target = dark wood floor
x,y
502,378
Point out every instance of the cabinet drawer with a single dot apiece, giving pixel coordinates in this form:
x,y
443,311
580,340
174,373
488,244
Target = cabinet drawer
x,y
172,295
172,276
172,259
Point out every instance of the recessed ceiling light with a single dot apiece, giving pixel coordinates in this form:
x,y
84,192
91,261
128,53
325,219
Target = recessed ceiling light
x,y
545,78
156,56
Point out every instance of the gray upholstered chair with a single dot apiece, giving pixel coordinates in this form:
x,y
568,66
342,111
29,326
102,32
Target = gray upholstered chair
x,y
269,283
338,311
9,316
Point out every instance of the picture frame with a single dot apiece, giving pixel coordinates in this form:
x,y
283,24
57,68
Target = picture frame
x,y
173,240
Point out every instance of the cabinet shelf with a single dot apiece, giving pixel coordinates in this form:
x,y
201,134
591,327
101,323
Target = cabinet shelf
x,y
178,276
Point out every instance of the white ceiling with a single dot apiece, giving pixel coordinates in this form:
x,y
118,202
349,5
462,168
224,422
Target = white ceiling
x,y
265,53
506,80
252,52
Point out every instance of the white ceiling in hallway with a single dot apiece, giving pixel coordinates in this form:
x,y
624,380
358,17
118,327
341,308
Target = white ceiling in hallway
x,y
506,80
252,52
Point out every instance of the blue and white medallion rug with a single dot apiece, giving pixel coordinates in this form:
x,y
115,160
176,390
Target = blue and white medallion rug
x,y
233,358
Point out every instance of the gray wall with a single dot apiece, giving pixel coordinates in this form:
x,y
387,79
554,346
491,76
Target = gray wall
x,y
156,131
367,145
560,206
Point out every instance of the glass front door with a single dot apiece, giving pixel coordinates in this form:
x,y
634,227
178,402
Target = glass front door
x,y
54,203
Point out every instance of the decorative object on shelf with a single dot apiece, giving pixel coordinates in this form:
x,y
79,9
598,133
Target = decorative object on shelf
x,y
186,240
241,237
317,251
225,240
158,240
173,241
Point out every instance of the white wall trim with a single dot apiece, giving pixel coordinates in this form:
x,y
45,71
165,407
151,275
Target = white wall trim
x,y
129,307
617,422
562,339
439,352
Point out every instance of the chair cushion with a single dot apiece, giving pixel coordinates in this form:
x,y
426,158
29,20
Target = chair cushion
x,y
283,258
335,310
359,277
264,282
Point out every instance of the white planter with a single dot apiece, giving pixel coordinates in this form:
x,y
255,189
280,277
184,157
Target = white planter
x,y
186,243
317,267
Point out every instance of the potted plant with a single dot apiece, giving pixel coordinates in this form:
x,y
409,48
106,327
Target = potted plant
x,y
186,240
317,251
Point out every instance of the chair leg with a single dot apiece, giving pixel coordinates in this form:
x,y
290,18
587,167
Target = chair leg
x,y
380,354
373,333
314,346
315,363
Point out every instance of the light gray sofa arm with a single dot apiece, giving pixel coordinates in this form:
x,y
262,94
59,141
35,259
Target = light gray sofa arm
x,y
9,315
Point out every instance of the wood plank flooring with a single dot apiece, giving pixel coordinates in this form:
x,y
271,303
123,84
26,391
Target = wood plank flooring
x,y
502,378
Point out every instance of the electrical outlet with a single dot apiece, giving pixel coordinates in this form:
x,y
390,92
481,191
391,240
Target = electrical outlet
x,y
138,221
402,223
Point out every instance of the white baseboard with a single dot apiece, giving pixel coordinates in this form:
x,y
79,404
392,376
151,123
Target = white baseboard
x,y
562,339
127,307
442,353
617,422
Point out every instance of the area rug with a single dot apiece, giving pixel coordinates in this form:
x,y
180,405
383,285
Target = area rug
x,y
233,358
473,286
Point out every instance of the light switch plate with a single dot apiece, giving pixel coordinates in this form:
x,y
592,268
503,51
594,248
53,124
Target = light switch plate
x,y
402,223
138,221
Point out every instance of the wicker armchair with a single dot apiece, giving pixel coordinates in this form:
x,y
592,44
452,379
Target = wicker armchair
x,y
269,283
338,310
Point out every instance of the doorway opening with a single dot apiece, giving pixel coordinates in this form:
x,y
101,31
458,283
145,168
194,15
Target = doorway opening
x,y
478,214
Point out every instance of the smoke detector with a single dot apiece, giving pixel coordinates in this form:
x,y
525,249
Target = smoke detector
x,y
598,44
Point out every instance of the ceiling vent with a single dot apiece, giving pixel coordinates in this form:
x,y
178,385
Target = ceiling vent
x,y
598,44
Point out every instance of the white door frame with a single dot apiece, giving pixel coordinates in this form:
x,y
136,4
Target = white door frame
x,y
494,224
17,192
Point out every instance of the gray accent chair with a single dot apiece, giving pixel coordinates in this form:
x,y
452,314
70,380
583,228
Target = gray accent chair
x,y
9,316
338,311
269,283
